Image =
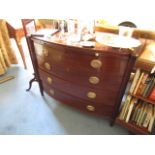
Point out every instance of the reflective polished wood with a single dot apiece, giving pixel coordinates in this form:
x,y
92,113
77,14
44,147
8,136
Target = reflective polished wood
x,y
90,79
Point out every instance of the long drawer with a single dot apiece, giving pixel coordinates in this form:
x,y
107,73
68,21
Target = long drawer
x,y
102,110
67,58
64,64
94,96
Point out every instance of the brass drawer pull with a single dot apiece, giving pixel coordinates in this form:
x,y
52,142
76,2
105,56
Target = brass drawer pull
x,y
51,91
90,108
45,52
96,63
49,80
94,80
91,95
47,66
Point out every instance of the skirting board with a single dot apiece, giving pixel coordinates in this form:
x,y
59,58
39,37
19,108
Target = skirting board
x,y
5,79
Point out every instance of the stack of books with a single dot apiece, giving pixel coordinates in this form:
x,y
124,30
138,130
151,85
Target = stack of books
x,y
143,85
138,112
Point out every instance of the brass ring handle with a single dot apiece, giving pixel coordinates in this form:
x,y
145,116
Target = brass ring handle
x,y
49,80
96,63
45,52
90,108
51,91
91,95
47,66
94,80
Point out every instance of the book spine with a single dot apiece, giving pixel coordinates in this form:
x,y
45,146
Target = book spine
x,y
152,121
136,77
135,112
152,95
139,81
133,101
148,117
142,84
149,83
150,88
125,107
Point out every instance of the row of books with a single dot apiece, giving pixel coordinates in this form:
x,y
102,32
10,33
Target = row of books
x,y
143,84
138,112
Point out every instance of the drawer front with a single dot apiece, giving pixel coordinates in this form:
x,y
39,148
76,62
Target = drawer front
x,y
94,96
81,67
77,103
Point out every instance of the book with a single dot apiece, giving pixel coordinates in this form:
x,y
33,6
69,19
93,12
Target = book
x,y
152,121
136,77
143,87
140,114
135,109
142,84
132,103
125,107
122,109
152,94
149,115
138,83
147,88
144,113
150,88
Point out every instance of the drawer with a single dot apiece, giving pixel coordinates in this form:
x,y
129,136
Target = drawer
x,y
102,110
76,59
94,96
79,62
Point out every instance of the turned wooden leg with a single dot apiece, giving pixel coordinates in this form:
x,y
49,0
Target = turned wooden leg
x,y
19,45
30,83
39,82
40,86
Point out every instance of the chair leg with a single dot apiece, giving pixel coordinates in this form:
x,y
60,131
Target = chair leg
x,y
19,45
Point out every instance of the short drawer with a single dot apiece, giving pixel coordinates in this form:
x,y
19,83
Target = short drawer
x,y
94,96
102,110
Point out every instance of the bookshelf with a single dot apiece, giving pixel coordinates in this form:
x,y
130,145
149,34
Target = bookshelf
x,y
137,113
133,127
143,98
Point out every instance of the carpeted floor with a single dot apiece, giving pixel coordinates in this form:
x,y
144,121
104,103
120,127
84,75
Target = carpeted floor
x,y
24,112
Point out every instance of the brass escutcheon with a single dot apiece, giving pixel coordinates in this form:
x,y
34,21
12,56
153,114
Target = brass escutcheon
x,y
91,95
96,63
51,91
90,108
94,80
49,80
47,66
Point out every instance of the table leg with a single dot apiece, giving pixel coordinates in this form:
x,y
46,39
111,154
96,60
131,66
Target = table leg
x,y
19,45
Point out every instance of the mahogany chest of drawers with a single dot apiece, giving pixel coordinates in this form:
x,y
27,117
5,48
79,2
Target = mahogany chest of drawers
x,y
90,79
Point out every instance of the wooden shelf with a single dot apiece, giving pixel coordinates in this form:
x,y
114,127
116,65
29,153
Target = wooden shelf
x,y
133,127
143,98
